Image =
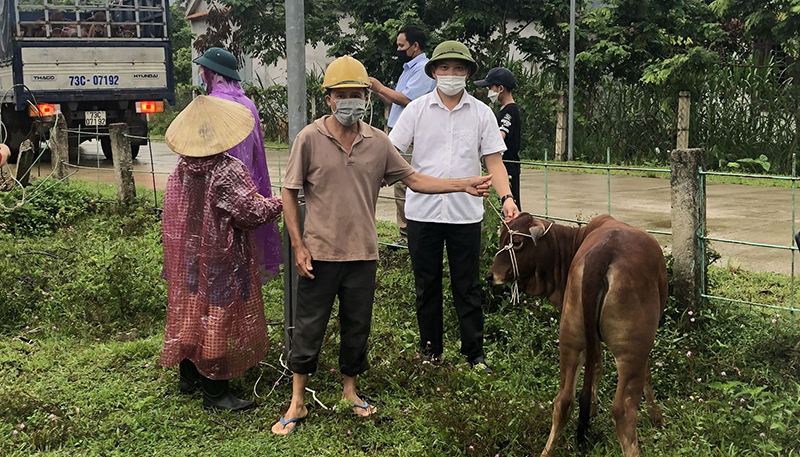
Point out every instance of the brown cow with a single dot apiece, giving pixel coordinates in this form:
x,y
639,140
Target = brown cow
x,y
609,280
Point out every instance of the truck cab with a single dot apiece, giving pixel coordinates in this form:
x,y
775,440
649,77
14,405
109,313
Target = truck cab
x,y
97,62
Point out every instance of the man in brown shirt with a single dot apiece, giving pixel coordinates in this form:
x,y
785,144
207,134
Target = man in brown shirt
x,y
340,163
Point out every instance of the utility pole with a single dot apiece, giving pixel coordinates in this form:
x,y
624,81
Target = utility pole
x,y
296,84
571,111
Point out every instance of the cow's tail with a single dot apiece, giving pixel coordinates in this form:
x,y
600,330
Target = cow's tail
x,y
593,291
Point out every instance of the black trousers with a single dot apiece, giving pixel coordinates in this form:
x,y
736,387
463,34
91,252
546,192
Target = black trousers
x,y
354,284
513,170
426,241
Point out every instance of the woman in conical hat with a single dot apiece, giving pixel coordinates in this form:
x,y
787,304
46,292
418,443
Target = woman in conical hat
x,y
215,315
218,70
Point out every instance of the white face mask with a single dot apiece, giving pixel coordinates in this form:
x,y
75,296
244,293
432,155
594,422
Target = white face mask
x,y
493,95
349,110
451,85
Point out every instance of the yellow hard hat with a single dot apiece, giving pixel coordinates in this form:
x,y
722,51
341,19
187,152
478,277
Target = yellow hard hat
x,y
345,72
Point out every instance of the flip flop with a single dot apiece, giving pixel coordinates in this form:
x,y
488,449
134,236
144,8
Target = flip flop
x,y
295,420
365,407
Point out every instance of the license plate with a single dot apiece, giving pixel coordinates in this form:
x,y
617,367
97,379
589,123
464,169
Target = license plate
x,y
95,118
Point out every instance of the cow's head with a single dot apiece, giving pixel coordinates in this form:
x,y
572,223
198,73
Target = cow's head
x,y
527,243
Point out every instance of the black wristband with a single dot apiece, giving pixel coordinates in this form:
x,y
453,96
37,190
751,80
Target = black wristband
x,y
505,197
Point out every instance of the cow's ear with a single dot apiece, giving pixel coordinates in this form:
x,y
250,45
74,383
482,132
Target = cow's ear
x,y
537,232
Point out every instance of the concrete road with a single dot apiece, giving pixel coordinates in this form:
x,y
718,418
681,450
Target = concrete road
x,y
756,214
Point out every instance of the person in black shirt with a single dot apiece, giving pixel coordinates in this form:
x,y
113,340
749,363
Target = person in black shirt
x,y
501,84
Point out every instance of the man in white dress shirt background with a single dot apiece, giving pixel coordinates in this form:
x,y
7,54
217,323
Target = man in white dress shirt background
x,y
413,84
451,132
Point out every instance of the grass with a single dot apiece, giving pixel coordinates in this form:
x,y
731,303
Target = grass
x,y
76,356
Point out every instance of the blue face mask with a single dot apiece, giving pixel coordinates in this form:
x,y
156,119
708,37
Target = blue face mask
x,y
202,83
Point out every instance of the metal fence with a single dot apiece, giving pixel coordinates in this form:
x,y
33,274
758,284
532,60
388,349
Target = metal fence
x,y
98,166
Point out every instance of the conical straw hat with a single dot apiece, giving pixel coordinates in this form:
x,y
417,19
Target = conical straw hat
x,y
208,126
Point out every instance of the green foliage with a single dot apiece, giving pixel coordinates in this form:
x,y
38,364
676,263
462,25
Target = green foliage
x,y
90,267
48,206
181,35
81,381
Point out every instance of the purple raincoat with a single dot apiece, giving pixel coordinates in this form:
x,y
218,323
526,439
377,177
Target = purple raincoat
x,y
251,153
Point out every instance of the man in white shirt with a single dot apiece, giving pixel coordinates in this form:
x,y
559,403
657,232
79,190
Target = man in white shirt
x,y
451,131
413,83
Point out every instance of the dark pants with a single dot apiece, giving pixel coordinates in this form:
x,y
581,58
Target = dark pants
x,y
513,181
426,241
354,284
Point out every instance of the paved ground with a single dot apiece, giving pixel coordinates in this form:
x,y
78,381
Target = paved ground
x,y
756,214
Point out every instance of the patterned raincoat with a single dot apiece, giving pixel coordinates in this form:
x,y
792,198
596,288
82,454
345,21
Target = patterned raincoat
x,y
215,314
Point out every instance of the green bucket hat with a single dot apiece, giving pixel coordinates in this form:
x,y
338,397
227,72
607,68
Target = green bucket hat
x,y
220,61
451,50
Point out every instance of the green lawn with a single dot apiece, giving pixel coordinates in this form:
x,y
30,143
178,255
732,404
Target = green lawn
x,y
74,286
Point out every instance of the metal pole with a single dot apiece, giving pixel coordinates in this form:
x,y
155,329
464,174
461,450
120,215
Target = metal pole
x,y
296,84
570,115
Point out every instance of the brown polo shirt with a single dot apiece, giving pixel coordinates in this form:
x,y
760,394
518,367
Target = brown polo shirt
x,y
341,189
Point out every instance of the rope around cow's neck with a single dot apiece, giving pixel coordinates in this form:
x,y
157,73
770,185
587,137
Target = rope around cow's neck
x,y
513,255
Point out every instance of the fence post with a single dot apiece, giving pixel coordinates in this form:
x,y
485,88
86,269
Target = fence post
x,y
24,162
59,147
561,127
684,108
123,163
688,221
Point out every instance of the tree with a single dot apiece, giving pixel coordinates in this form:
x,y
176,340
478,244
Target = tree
x,y
180,33
258,27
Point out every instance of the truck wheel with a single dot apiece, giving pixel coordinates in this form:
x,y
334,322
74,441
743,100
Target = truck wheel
x,y
105,143
74,148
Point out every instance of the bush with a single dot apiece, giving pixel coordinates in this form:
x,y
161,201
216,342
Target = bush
x,y
90,275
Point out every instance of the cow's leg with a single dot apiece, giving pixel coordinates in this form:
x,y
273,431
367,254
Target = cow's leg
x,y
630,385
653,410
598,373
570,361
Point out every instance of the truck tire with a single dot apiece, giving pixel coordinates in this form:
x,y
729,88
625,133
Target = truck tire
x,y
105,143
74,148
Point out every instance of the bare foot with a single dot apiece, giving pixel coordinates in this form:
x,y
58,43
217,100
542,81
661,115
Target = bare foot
x,y
292,413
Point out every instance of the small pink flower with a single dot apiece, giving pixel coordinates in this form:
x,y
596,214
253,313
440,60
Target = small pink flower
x,y
699,379
541,407
742,401
691,313
460,370
699,400
55,328
438,389
277,383
405,410
659,364
333,370
774,321
21,426
14,432
417,356
36,318
52,417
428,343
557,341
349,432
471,447
691,320
147,365
688,353
762,434
27,327
551,319
723,374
